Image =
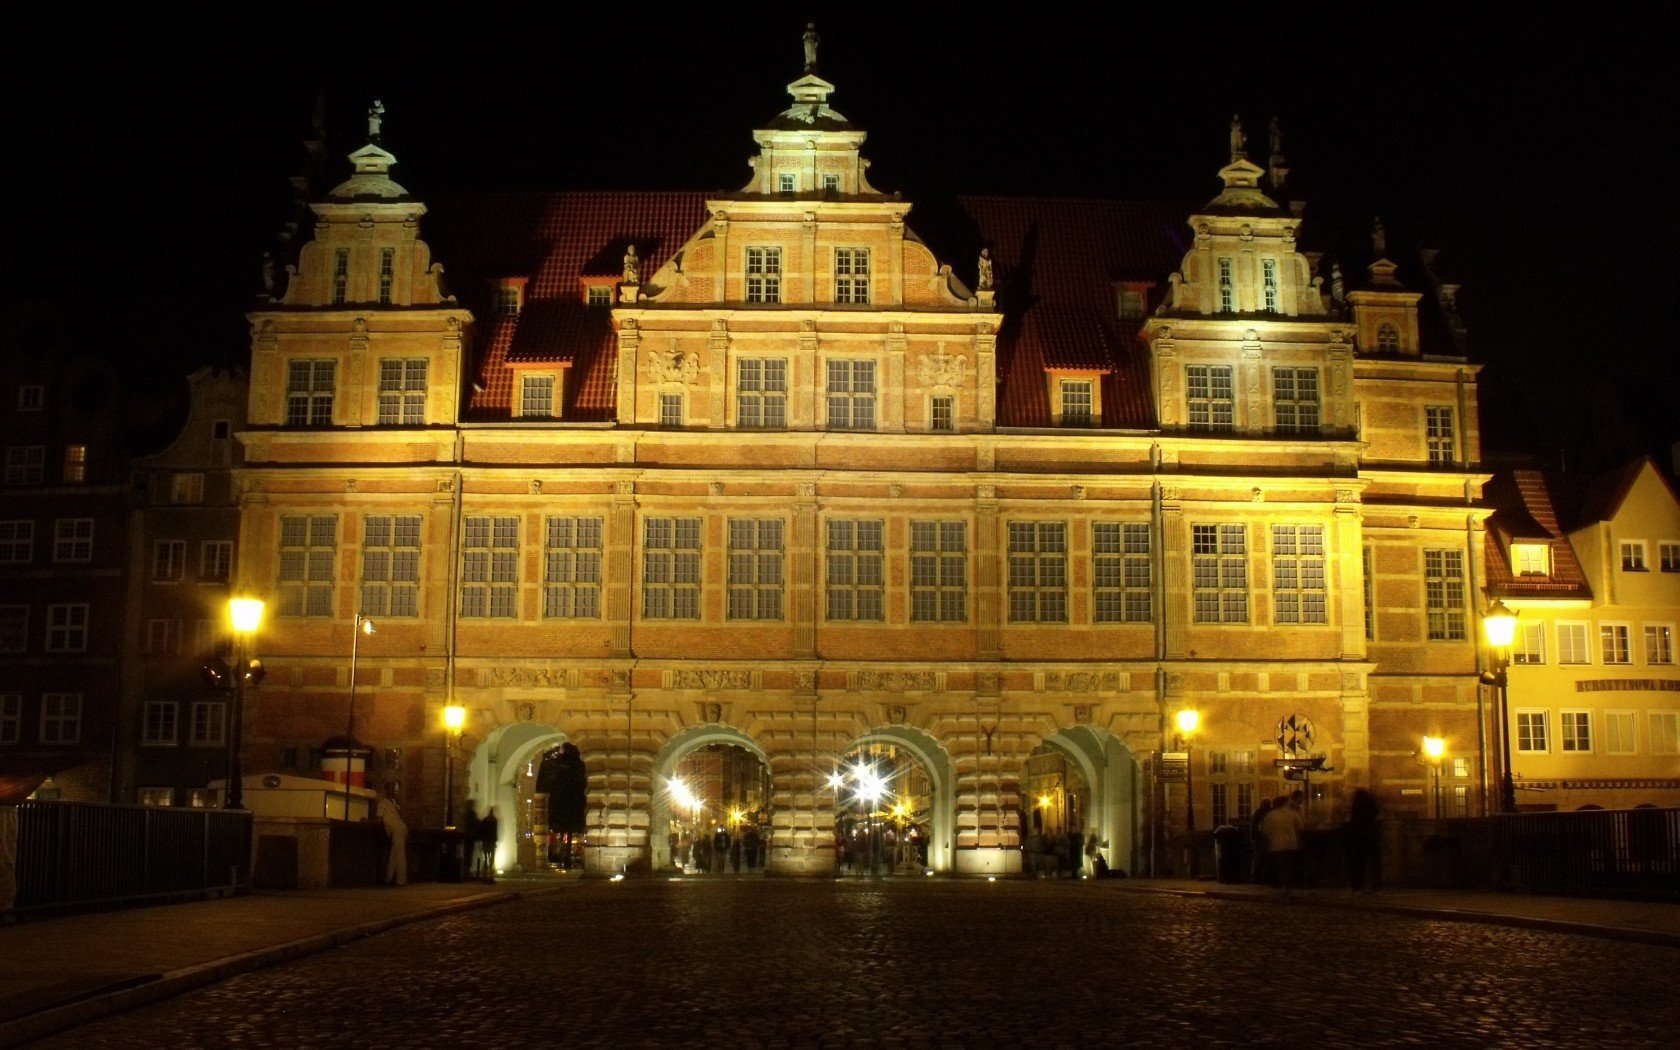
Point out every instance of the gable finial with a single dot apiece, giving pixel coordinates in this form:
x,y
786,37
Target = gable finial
x,y
1379,237
811,40
1239,141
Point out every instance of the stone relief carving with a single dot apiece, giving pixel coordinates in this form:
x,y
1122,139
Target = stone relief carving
x,y
1078,492
805,681
943,369
536,487
989,682
805,489
1257,494
673,366
525,677
896,714
1080,681
898,681
711,712
711,679
1083,712
624,488
435,678
1346,496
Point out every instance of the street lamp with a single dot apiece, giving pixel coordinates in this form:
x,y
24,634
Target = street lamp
x,y
244,616
1434,747
1499,627
364,625
1188,721
454,717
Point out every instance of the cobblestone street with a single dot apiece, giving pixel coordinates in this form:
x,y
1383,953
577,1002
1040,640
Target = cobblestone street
x,y
788,963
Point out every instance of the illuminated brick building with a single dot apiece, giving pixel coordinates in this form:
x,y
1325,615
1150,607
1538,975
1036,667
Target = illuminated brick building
x,y
656,471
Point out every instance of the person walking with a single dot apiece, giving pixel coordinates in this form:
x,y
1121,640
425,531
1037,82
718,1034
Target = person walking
x,y
1283,827
489,830
396,843
1362,842
1260,864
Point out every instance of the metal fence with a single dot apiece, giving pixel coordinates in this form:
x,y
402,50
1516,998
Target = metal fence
x,y
74,855
1632,853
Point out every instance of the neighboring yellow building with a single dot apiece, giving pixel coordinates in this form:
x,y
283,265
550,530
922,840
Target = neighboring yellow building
x,y
1592,569
667,471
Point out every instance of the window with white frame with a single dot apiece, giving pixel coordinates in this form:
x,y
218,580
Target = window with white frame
x,y
598,295
1668,557
855,574
939,571
1132,303
11,717
158,724
75,464
26,464
61,718
1531,732
761,392
1077,403
1619,731
851,275
1443,589
764,275
942,413
208,635
1460,766
1530,647
851,395
1295,400
1532,559
786,182
309,392
671,568
831,182
209,724
1299,592
1575,731
755,568
1388,338
1219,573
1440,438
1572,644
1038,572
169,561
1210,396
507,300
1122,573
308,554
490,567
1227,287
536,396
14,628
402,391
387,274
1269,284
187,488
572,569
163,636
341,276
31,397
17,542
1613,645
73,540
1665,732
1659,643
215,561
670,410
67,628
1633,556
391,565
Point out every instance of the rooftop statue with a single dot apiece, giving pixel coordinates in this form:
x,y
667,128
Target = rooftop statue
x,y
1276,133
376,116
987,281
632,266
1239,141
1379,237
811,41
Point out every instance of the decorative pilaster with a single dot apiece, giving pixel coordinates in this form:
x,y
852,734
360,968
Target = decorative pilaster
x,y
988,600
629,343
803,578
985,375
892,416
358,381
621,567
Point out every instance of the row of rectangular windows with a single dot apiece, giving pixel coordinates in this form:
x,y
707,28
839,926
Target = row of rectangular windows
x,y
60,720
1574,643
1533,734
764,275
27,465
72,543
67,628
1633,556
1122,570
206,723
341,275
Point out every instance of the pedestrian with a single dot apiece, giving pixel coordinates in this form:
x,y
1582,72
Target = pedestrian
x,y
1058,855
1283,827
1075,852
396,843
489,830
754,845
720,850
1362,842
735,847
1260,865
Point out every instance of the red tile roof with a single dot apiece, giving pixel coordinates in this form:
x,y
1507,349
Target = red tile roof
x,y
1524,509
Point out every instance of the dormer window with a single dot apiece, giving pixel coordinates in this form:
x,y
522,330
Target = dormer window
x,y
787,182
536,396
1531,559
507,300
1077,403
598,295
1132,303
1388,338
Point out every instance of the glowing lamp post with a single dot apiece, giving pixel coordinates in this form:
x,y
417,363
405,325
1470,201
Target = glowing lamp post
x,y
364,625
245,617
1433,748
454,718
1188,721
1499,628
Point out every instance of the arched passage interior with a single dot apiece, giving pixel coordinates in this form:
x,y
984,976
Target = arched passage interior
x,y
934,763
692,797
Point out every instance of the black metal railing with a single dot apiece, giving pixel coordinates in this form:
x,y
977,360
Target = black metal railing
x,y
1632,853
74,855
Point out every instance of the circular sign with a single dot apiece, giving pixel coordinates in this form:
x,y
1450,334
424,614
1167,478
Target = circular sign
x,y
1295,735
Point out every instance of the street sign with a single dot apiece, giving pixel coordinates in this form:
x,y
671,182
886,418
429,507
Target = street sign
x,y
1295,734
1174,766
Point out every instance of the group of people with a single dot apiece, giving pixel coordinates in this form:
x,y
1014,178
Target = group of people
x,y
481,833
719,853
1275,836
1058,856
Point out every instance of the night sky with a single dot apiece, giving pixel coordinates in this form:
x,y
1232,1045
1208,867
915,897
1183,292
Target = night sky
x,y
146,161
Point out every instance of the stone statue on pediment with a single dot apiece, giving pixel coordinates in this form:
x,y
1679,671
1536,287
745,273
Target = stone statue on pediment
x,y
811,40
1379,237
375,118
987,280
1239,141
1338,290
268,273
632,266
